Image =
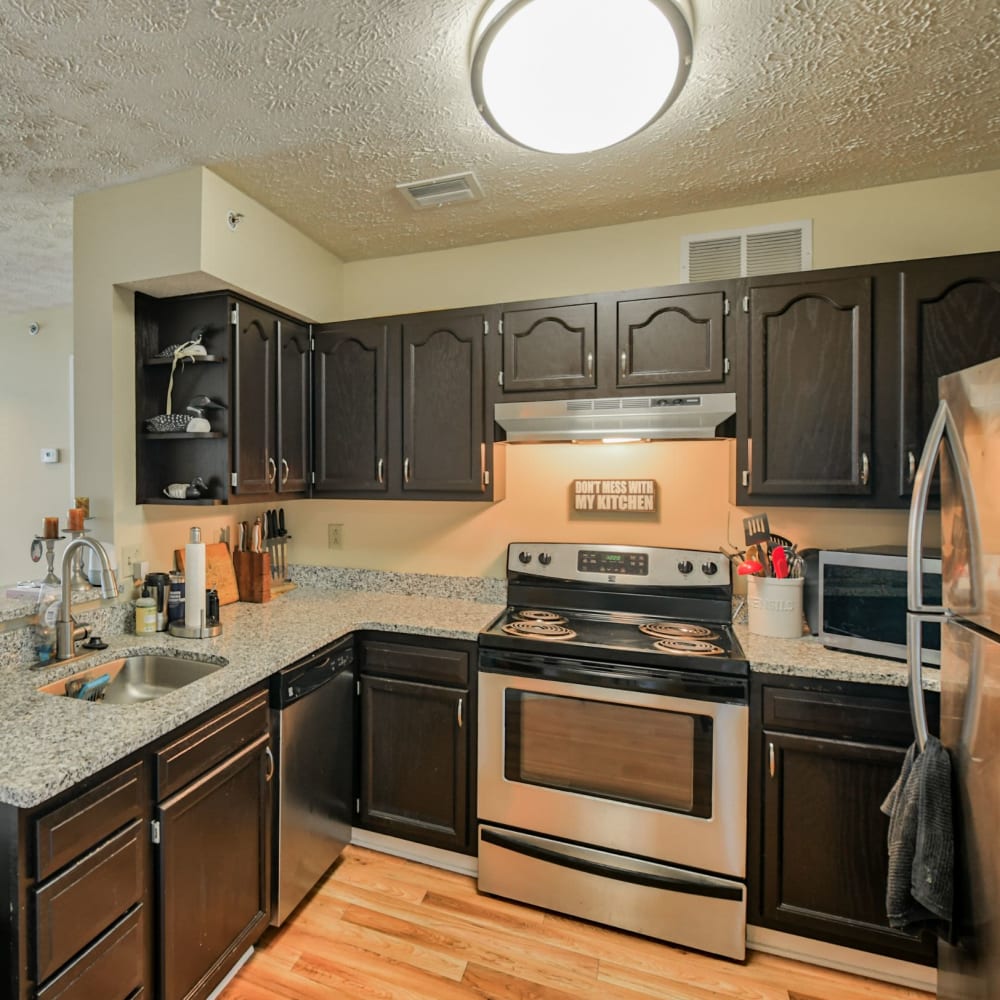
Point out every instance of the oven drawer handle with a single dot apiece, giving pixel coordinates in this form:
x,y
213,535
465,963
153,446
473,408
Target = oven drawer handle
x,y
647,879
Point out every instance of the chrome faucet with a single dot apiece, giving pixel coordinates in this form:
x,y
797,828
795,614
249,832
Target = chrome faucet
x,y
68,633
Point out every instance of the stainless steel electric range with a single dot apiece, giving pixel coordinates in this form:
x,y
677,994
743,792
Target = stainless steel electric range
x,y
613,742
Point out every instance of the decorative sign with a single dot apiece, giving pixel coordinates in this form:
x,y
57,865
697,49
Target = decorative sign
x,y
624,496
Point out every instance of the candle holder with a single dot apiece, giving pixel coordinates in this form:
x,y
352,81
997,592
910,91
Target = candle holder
x,y
50,557
78,581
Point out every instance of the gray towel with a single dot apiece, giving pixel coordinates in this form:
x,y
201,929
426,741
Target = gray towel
x,y
920,884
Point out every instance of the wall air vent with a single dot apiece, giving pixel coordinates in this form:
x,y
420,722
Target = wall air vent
x,y
744,253
440,191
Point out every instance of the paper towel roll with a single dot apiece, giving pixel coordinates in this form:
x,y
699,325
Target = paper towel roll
x,y
194,581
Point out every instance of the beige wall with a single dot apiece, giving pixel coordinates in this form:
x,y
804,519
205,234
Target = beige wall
x,y
946,216
950,215
35,393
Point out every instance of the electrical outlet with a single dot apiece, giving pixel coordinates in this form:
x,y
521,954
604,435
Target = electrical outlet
x,y
130,554
335,537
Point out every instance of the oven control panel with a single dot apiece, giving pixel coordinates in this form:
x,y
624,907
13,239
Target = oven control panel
x,y
628,565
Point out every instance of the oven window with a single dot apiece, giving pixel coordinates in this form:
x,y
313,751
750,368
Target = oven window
x,y
643,756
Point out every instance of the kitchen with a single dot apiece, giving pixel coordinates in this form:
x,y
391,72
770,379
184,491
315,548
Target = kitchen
x,y
920,218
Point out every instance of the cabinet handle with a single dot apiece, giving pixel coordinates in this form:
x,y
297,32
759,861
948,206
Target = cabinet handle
x,y
406,470
770,758
460,700
911,466
864,468
624,364
380,471
273,471
590,362
269,774
285,471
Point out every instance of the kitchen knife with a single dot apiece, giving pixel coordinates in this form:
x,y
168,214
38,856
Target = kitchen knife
x,y
255,538
284,548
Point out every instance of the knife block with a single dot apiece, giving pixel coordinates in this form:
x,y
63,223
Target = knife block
x,y
253,576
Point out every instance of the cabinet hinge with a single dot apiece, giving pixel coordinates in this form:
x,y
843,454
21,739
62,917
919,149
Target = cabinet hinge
x,y
486,327
726,366
312,342
500,377
154,831
312,478
746,303
486,477
725,307
234,316
357,688
357,807
500,327
746,477
233,481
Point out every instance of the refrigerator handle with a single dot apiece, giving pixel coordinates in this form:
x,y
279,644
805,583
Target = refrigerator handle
x,y
914,661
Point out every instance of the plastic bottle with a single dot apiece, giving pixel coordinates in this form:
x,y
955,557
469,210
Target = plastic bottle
x,y
44,631
145,614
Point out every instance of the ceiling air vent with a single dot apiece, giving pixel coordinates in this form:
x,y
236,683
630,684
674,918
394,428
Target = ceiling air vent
x,y
440,191
743,253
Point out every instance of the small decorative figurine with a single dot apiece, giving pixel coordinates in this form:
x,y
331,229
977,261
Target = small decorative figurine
x,y
193,420
194,490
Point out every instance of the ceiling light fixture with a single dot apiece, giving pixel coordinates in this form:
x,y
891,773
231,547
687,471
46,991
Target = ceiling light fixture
x,y
572,76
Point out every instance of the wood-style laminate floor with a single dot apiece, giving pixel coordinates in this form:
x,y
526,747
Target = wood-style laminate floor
x,y
381,928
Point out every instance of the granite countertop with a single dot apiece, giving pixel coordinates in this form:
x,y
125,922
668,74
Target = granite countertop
x,y
48,744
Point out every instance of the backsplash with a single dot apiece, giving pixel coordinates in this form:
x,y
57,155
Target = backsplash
x,y
486,590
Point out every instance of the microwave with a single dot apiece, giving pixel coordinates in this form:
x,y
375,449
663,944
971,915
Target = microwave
x,y
862,601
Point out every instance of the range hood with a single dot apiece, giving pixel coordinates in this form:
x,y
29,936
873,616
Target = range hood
x,y
655,418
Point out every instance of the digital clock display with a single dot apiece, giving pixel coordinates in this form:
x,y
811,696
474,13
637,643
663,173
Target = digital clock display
x,y
613,563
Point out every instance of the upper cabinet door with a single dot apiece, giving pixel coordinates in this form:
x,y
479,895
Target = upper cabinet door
x,y
671,341
443,424
255,457
550,347
350,384
811,387
949,320
294,397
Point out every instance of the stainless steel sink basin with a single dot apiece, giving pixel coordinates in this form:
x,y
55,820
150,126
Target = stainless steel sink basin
x,y
137,678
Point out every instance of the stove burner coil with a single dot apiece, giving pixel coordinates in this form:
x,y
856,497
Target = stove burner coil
x,y
693,647
533,615
539,630
677,630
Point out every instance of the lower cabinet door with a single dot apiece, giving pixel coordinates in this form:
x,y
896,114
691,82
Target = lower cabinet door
x,y
414,761
212,873
825,855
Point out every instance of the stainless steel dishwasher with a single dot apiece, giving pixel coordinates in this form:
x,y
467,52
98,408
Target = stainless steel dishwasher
x,y
312,728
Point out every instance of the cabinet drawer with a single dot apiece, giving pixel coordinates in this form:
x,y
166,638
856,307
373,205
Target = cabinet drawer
x,y
848,716
79,904
416,663
112,968
74,828
213,741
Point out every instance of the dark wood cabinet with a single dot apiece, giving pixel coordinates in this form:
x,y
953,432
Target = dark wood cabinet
x,y
810,365
417,722
671,339
823,757
549,345
212,853
949,319
255,466
443,426
294,408
399,409
351,408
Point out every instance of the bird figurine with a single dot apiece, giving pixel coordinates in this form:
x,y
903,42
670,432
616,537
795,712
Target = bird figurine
x,y
199,422
194,490
192,420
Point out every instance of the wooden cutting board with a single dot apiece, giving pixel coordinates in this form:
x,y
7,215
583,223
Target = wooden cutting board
x,y
219,572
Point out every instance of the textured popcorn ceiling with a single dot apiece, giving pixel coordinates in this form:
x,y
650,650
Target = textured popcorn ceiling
x,y
317,108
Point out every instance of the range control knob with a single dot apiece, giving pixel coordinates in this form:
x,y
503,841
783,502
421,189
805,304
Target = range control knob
x,y
525,557
685,567
710,568
544,558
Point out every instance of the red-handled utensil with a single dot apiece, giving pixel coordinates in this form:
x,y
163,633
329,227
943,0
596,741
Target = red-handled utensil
x,y
749,568
779,560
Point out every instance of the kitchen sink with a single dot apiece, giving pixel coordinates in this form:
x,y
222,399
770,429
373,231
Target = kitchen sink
x,y
137,678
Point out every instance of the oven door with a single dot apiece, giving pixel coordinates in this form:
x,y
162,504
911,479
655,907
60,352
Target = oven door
x,y
653,775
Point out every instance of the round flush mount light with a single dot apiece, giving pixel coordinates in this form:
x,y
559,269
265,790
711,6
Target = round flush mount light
x,y
572,76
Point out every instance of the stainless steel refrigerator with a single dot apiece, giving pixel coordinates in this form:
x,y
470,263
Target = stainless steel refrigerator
x,y
964,443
